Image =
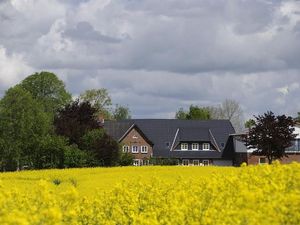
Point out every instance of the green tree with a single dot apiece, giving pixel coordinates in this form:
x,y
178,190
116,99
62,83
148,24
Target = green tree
x,y
121,113
250,123
181,114
48,90
271,135
126,159
22,123
195,113
75,157
99,99
198,113
104,148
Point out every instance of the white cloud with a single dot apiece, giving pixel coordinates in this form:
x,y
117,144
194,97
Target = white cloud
x,y
12,68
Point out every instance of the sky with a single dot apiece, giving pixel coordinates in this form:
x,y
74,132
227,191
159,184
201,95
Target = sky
x,y
157,56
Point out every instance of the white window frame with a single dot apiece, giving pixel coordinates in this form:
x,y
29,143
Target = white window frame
x,y
206,149
144,149
185,160
205,160
195,144
136,162
184,144
196,160
125,148
133,147
261,162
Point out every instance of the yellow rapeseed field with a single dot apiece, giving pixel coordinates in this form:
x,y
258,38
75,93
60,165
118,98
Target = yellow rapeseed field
x,y
153,195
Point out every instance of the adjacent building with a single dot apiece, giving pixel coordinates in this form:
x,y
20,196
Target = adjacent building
x,y
244,154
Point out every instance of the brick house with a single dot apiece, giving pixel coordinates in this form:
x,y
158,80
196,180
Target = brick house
x,y
243,154
190,142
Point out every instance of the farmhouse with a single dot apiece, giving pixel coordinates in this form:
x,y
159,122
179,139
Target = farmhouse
x,y
244,154
190,142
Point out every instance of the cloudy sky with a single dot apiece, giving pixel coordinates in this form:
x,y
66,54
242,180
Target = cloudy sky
x,y
156,56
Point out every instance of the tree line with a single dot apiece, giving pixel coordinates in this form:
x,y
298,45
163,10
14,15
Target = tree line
x,y
41,126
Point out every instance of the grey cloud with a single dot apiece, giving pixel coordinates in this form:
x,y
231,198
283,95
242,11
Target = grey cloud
x,y
85,31
157,56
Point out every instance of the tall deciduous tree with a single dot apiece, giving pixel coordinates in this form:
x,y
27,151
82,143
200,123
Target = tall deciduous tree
x,y
48,90
75,120
22,123
99,99
271,135
121,113
229,110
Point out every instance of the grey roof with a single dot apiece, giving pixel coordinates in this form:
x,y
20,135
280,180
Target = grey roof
x,y
162,131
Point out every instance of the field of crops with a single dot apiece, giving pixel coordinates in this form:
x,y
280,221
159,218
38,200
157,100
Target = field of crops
x,y
153,195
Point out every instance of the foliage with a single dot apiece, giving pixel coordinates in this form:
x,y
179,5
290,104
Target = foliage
x,y
75,120
99,99
250,123
181,114
194,113
126,159
50,152
48,90
271,135
104,148
268,194
22,124
121,113
74,157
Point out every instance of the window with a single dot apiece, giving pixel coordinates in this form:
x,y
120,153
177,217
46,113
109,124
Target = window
x,y
262,160
205,162
144,149
222,144
184,146
167,144
135,137
205,146
195,146
196,162
125,148
134,149
136,162
185,162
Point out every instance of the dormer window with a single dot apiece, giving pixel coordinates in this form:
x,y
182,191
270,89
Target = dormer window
x,y
205,146
184,146
195,146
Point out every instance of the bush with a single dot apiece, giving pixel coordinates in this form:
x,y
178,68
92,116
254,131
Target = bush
x,y
101,147
126,159
74,157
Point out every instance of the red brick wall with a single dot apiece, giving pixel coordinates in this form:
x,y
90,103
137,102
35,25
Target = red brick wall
x,y
135,138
